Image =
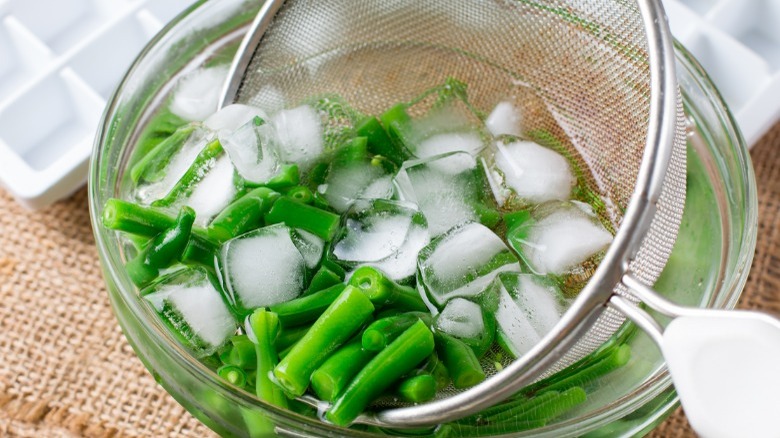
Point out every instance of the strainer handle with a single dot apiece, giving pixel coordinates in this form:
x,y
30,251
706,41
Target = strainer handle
x,y
725,365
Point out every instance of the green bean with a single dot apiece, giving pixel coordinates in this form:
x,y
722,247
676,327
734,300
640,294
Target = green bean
x,y
435,367
265,327
241,353
289,336
244,214
488,216
515,218
200,250
383,291
197,171
294,214
162,250
135,219
320,202
417,389
544,407
354,151
330,379
301,194
151,168
336,325
460,360
379,143
232,374
396,114
382,332
400,357
287,177
306,309
323,279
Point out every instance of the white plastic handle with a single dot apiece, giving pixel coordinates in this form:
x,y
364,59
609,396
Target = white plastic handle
x,y
726,369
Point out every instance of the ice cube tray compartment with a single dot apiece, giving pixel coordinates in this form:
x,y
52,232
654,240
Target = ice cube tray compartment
x,y
57,70
738,44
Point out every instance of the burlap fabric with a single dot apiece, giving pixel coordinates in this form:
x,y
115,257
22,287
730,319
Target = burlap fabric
x,y
66,369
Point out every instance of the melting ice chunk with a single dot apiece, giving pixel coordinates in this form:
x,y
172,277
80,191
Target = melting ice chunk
x,y
358,179
299,131
197,94
439,144
526,308
384,234
214,191
253,149
444,187
461,318
559,237
530,172
179,158
310,247
503,120
233,117
462,262
261,268
194,308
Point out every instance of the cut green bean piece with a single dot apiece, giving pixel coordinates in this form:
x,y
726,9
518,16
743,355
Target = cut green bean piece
x,y
330,379
380,333
151,168
417,389
516,218
400,357
395,115
265,328
379,143
323,279
200,250
242,215
321,223
241,353
306,309
135,219
460,360
289,336
354,151
383,291
301,194
287,177
488,216
197,171
162,250
542,408
342,319
233,374
617,359
436,368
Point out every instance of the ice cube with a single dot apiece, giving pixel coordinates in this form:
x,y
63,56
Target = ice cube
x,y
359,179
177,165
439,144
261,268
214,192
299,131
461,318
194,308
462,262
530,172
503,120
384,234
233,117
444,187
253,150
197,94
559,237
526,308
310,247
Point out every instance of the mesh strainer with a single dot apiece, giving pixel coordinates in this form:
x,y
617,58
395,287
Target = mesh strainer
x,y
599,73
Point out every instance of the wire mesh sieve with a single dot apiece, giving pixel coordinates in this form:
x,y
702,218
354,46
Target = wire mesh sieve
x,y
586,71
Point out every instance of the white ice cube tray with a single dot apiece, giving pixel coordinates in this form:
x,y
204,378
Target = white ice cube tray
x,y
59,63
738,44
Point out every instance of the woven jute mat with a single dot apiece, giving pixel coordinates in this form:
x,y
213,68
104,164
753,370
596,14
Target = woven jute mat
x,y
66,369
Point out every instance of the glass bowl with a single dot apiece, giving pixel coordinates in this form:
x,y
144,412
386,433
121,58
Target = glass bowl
x,y
708,267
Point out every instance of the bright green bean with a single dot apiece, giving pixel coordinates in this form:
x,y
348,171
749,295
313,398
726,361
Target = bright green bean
x,y
306,309
383,291
460,360
244,214
417,389
265,327
342,319
380,333
330,379
162,250
294,214
400,357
